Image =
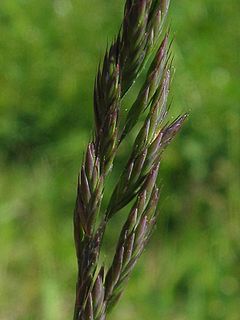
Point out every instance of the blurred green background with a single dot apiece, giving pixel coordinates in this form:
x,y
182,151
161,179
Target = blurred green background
x,y
49,51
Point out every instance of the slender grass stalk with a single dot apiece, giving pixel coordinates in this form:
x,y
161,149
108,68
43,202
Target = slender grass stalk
x,y
98,287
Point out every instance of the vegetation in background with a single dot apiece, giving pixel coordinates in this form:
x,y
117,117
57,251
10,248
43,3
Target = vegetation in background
x,y
48,58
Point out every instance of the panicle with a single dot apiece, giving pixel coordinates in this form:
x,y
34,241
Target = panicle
x,y
133,238
99,288
107,92
150,86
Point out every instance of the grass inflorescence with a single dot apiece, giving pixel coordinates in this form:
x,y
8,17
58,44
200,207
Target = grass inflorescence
x,y
99,287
